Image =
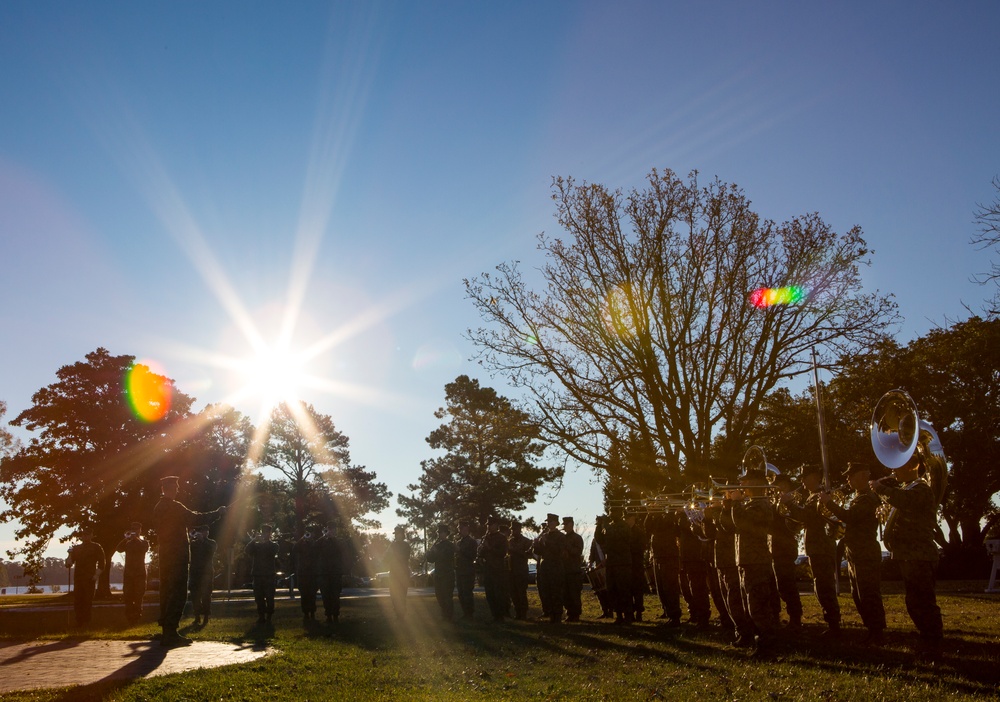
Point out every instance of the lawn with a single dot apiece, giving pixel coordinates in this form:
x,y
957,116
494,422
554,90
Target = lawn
x,y
370,655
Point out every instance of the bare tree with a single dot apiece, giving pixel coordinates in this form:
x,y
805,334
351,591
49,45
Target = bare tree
x,y
642,330
988,219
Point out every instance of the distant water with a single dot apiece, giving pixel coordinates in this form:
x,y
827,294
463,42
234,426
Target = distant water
x,y
45,589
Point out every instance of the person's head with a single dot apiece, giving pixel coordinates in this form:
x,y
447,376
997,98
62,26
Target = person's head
x,y
493,525
515,527
169,486
399,533
443,531
754,482
552,521
782,483
331,528
136,528
812,478
858,475
266,531
568,524
464,527
630,518
85,534
912,469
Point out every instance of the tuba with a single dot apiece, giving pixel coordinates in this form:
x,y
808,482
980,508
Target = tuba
x,y
896,432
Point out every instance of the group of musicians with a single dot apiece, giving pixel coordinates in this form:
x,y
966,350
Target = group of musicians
x,y
741,551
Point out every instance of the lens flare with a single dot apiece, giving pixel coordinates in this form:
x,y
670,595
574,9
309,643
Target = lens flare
x,y
769,297
148,393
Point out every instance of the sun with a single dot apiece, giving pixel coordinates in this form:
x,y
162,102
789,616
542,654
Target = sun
x,y
274,375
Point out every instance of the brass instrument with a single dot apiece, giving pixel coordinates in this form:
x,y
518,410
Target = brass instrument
x,y
896,433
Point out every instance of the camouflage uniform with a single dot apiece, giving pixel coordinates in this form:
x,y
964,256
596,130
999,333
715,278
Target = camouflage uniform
x,y
573,577
465,574
442,555
864,558
752,521
518,552
724,555
662,530
619,569
784,550
550,551
822,551
493,557
134,580
911,542
694,573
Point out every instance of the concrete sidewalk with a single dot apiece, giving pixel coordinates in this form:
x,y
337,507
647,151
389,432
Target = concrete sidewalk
x,y
69,662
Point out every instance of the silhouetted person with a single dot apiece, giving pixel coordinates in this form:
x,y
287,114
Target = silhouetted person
x,y
171,520
263,554
305,560
88,559
550,550
442,555
134,581
518,553
465,568
573,571
397,558
330,571
493,557
202,574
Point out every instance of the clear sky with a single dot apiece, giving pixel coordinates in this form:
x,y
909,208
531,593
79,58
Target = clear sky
x,y
174,174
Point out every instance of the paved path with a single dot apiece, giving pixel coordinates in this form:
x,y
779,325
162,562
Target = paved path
x,y
69,662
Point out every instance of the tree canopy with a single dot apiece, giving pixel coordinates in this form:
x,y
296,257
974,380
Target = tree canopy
x,y
306,447
640,328
952,375
92,461
490,465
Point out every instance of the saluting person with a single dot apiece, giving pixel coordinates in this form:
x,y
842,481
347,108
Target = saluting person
x,y
88,559
171,521
134,582
202,575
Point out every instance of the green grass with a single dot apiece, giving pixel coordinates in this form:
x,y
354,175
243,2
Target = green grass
x,y
371,656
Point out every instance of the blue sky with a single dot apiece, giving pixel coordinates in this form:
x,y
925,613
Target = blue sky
x,y
168,170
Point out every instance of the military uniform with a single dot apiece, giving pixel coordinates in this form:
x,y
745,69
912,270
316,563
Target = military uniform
x,y
694,574
88,559
518,552
708,533
784,547
573,569
465,574
911,541
171,521
201,576
264,568
134,579
493,557
619,566
550,551
662,530
597,557
442,555
752,521
305,557
822,551
637,547
398,560
330,572
864,558
724,559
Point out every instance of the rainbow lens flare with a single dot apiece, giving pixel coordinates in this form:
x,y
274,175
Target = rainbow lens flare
x,y
769,297
148,393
